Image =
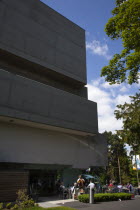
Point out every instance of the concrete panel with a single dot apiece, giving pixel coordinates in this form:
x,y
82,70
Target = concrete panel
x,y
21,144
35,32
26,99
22,67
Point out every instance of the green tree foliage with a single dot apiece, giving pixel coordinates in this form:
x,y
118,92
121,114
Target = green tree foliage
x,y
120,166
125,24
130,114
118,161
133,176
100,172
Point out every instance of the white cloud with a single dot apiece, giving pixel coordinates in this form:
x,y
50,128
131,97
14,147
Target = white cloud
x,y
107,85
123,89
109,123
107,97
99,49
121,99
137,85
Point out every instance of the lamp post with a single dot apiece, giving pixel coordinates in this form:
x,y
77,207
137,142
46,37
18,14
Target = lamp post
x,y
137,173
91,200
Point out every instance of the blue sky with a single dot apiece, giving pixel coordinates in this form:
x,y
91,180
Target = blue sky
x,y
92,15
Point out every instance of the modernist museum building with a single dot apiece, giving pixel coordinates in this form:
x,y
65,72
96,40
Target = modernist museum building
x,y
48,127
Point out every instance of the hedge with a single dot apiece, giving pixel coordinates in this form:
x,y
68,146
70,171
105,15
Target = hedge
x,y
105,197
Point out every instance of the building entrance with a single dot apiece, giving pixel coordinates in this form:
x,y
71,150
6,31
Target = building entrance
x,y
43,182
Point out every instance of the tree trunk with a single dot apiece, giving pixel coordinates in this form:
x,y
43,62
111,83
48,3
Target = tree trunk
x,y
119,167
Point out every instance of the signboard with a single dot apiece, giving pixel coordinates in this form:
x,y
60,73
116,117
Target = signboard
x,y
136,162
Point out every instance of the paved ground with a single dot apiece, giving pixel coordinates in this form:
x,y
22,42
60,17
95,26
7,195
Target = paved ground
x,y
47,202
114,205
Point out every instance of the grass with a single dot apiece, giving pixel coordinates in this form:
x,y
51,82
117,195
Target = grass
x,y
60,208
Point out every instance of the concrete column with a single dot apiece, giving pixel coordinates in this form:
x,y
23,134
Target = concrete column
x,y
91,195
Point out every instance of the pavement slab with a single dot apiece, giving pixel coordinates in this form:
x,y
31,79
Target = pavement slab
x,y
113,205
47,202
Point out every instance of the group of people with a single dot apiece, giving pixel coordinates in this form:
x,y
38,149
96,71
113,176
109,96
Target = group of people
x,y
78,188
120,187
82,186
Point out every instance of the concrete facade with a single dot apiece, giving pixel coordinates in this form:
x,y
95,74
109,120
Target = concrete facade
x,y
30,100
46,121
35,32
43,146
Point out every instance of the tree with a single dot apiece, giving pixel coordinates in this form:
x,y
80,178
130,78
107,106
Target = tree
x,y
125,24
118,161
130,114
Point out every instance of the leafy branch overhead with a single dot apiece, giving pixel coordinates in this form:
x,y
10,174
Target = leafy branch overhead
x,y
125,24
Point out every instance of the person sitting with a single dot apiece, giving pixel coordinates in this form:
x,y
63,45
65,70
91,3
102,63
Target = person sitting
x,y
63,191
120,187
110,185
74,191
58,183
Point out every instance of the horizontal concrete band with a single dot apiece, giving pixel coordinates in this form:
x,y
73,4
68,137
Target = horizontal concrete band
x,y
30,145
37,33
29,100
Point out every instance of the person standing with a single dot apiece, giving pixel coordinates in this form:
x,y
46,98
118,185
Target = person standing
x,y
74,191
91,185
130,187
81,184
139,189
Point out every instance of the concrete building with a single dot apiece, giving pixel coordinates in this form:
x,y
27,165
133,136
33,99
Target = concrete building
x,y
48,127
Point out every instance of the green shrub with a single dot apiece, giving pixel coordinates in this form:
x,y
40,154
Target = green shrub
x,y
22,195
1,206
27,203
15,207
37,205
23,200
102,197
8,205
84,198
